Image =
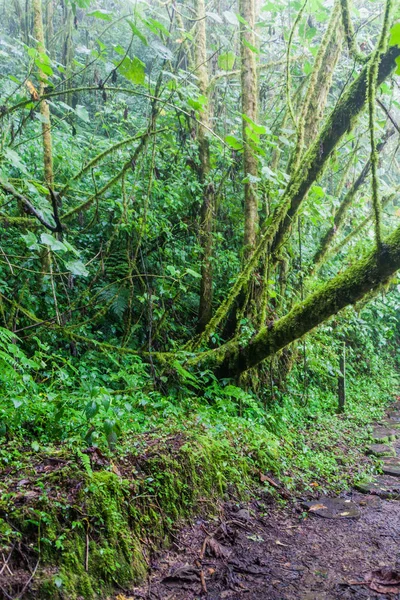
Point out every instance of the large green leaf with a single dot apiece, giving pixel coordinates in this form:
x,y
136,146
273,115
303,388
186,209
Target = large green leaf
x,y
133,69
77,268
233,142
105,15
82,113
138,33
55,245
226,60
395,35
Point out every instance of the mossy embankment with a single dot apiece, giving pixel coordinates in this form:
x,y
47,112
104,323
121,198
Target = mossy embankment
x,y
86,523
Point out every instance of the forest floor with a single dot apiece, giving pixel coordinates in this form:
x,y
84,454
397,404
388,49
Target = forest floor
x,y
291,549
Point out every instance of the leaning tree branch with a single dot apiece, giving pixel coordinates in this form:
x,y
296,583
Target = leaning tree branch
x,y
389,115
347,288
9,189
345,204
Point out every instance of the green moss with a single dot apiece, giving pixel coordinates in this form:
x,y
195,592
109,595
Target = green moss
x,y
104,538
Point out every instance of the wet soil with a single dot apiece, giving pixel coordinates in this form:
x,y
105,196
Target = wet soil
x,y
267,550
263,552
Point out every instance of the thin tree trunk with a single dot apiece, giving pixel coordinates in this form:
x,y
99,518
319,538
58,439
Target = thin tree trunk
x,y
46,126
50,25
208,205
44,107
248,77
317,100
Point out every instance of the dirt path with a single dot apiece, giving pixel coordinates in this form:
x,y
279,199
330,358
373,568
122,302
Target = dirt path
x,y
260,552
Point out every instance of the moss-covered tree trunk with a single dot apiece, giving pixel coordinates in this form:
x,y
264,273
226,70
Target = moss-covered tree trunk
x,y
317,97
207,208
340,122
347,288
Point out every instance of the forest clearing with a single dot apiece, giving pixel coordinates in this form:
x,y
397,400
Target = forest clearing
x,y
199,299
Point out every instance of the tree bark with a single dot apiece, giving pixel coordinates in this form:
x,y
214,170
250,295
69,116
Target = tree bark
x,y
347,288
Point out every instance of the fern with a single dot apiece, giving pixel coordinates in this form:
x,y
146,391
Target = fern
x,y
12,358
118,299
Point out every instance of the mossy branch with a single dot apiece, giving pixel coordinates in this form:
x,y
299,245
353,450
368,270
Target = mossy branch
x,y
92,163
289,46
24,222
372,76
320,82
344,207
261,68
130,164
350,33
360,226
345,289
9,189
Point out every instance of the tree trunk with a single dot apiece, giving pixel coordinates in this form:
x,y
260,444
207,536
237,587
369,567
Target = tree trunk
x,y
248,77
341,120
44,107
347,288
317,97
208,205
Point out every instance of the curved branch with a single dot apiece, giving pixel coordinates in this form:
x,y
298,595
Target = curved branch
x,y
9,189
344,206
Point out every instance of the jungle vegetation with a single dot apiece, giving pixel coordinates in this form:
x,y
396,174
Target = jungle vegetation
x,y
199,218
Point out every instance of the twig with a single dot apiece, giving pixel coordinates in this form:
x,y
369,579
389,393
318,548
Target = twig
x,y
28,582
204,546
203,582
6,561
87,553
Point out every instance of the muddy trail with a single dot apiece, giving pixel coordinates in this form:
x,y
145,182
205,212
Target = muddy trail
x,y
319,549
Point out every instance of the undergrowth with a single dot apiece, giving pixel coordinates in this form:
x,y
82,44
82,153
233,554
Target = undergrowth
x,y
101,457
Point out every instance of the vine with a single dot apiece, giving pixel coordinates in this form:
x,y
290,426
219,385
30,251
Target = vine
x,y
372,82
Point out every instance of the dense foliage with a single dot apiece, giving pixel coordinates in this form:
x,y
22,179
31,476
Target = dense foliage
x,y
108,242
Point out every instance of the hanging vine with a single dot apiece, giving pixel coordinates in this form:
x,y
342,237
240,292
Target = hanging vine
x,y
372,82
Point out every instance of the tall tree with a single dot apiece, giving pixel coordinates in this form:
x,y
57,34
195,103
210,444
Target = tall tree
x,y
44,107
249,92
208,204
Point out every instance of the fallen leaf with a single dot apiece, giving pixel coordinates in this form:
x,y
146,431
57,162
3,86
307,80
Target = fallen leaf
x,y
32,90
217,549
115,470
279,543
317,507
264,478
182,573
